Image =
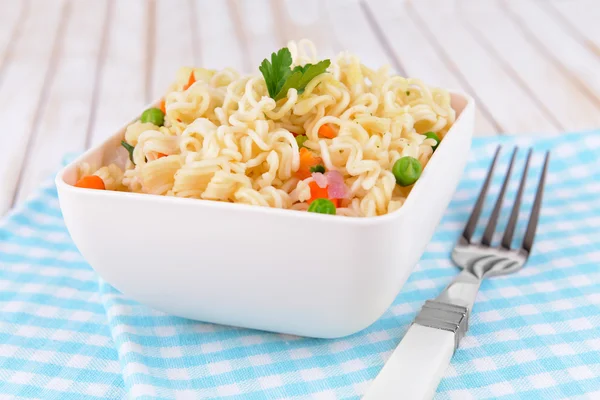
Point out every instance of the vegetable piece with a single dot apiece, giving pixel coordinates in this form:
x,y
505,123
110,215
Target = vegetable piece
x,y
327,132
407,170
154,116
318,192
277,71
300,139
163,107
336,188
432,135
279,77
320,179
317,168
301,77
191,81
160,155
91,182
322,206
129,148
307,160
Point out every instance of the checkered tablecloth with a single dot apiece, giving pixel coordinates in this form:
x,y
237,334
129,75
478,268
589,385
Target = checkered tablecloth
x,y
533,335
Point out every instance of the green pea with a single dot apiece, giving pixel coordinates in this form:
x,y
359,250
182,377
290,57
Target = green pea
x,y
154,116
300,139
432,135
322,206
407,170
317,168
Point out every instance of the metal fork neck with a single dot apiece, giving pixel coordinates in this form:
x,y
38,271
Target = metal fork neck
x,y
450,310
462,290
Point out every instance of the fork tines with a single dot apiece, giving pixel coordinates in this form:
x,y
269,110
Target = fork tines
x,y
512,222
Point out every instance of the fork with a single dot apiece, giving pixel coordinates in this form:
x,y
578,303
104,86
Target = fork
x,y
416,366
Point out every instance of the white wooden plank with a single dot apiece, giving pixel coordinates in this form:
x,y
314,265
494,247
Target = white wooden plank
x,y
419,58
268,25
581,17
63,122
123,78
258,31
306,19
174,48
21,90
570,107
351,31
216,35
334,26
10,31
10,17
573,56
510,104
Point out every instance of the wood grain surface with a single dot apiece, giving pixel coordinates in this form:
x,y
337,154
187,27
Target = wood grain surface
x,y
72,71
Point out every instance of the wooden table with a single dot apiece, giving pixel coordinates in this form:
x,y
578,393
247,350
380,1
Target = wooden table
x,y
72,71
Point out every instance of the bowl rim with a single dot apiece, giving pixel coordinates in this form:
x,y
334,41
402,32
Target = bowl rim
x,y
241,208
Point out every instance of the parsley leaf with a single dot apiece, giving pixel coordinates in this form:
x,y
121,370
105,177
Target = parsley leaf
x,y
301,77
317,168
301,68
277,71
280,78
129,148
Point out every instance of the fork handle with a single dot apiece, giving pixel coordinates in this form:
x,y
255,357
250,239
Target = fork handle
x,y
415,368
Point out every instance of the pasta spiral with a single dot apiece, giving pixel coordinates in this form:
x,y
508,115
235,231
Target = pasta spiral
x,y
225,139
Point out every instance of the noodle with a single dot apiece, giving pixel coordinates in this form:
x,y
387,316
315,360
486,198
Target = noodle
x,y
225,139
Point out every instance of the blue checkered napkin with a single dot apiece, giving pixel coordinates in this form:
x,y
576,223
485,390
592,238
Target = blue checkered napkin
x,y
55,342
533,335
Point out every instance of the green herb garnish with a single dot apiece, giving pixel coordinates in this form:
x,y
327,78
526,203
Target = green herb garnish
x,y
280,77
317,168
129,148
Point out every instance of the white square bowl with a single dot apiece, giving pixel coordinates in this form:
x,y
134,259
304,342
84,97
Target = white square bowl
x,y
256,267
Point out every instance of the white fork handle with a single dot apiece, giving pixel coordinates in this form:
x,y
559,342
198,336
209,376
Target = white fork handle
x,y
416,367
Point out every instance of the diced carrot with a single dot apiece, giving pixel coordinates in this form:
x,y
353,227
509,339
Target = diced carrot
x,y
163,107
91,182
327,132
307,160
191,81
160,155
317,192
